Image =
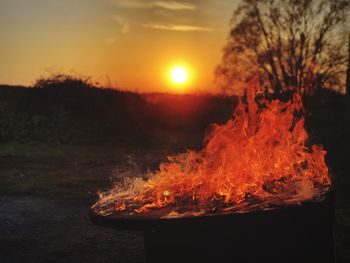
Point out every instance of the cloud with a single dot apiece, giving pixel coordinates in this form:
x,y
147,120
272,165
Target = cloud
x,y
172,27
124,24
110,41
174,5
170,5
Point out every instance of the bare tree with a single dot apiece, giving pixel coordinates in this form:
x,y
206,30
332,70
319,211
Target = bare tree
x,y
348,72
295,44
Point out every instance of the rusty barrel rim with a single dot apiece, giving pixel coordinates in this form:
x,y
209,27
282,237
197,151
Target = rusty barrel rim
x,y
147,223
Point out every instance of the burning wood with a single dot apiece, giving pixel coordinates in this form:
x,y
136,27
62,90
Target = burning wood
x,y
257,160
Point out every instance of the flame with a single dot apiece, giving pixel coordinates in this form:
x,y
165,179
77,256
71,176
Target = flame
x,y
257,160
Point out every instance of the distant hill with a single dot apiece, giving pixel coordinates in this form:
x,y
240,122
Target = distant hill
x,y
68,110
11,88
76,111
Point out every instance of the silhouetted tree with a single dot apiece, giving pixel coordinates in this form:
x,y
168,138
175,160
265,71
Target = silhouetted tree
x,y
295,43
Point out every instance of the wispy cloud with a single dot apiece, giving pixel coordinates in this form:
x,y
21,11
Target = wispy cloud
x,y
172,27
123,23
170,5
110,41
174,5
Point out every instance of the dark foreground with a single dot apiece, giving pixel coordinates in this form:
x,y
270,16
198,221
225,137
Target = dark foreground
x,y
46,192
47,187
35,229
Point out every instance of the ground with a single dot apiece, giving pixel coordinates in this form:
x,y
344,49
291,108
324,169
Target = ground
x,y
36,229
46,192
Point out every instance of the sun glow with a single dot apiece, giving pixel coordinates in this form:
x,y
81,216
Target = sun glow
x,y
179,75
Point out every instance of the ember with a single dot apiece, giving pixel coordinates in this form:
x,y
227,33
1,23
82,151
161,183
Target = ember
x,y
258,160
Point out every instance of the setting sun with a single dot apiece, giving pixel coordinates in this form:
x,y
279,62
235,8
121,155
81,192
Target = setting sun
x,y
179,75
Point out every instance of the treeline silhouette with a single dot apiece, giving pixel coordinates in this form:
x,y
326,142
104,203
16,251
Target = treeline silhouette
x,y
70,109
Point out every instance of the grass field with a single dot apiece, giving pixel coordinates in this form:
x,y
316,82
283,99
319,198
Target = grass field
x,y
46,191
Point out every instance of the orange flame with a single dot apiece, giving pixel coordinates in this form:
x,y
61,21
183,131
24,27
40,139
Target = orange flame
x,y
257,160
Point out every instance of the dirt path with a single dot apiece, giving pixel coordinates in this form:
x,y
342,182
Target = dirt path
x,y
47,230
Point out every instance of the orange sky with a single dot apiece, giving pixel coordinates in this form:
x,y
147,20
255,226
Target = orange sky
x,y
131,43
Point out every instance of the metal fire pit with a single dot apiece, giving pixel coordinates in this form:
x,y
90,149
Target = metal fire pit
x,y
294,233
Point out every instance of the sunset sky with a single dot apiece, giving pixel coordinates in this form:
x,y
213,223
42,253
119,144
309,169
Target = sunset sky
x,y
130,43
